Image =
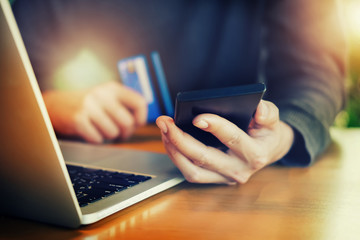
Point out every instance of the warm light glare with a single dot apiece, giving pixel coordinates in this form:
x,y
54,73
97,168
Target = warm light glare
x,y
84,71
352,17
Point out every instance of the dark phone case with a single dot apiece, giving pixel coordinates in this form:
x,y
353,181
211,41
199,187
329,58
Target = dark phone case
x,y
236,104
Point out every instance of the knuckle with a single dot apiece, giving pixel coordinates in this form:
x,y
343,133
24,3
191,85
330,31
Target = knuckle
x,y
202,160
258,163
241,178
233,140
177,139
171,151
257,160
193,177
174,141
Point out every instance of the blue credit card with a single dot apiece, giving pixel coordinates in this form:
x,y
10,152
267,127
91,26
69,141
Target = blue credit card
x,y
134,73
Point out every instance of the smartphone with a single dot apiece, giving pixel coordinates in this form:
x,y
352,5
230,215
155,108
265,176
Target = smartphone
x,y
236,104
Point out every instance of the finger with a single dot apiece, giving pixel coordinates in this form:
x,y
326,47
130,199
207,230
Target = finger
x,y
122,117
201,155
103,122
266,115
187,145
228,133
86,130
240,143
135,103
191,172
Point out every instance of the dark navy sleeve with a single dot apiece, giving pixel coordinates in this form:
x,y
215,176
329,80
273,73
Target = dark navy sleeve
x,y
304,70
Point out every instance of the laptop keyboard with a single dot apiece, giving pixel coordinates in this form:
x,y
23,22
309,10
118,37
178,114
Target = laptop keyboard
x,y
91,185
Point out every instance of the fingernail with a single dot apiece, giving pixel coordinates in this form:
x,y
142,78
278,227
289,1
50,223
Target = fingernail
x,y
264,109
162,126
201,124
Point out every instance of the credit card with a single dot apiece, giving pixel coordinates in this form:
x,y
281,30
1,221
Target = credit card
x,y
135,73
162,84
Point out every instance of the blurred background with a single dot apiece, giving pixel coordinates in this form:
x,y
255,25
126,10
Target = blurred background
x,y
350,117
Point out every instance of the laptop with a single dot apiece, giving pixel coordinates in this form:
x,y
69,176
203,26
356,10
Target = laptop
x,y
40,176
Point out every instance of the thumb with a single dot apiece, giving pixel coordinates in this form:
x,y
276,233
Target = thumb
x,y
266,115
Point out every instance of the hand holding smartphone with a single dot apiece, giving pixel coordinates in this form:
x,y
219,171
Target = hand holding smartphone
x,y
236,104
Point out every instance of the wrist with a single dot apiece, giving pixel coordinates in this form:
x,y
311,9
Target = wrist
x,y
287,139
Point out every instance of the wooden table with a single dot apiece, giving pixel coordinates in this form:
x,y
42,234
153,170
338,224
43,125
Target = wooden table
x,y
319,202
